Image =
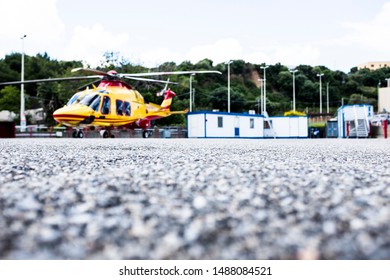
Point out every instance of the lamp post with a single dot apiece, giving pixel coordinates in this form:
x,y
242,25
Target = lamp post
x,y
261,96
228,65
293,72
320,75
327,97
22,106
265,88
191,91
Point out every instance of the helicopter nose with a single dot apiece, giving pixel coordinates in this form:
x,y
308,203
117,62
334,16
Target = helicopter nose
x,y
71,115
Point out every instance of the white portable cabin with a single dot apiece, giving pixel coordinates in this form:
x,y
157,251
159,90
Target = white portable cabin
x,y
287,127
354,120
206,124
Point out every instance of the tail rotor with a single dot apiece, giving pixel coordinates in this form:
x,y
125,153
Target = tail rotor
x,y
164,90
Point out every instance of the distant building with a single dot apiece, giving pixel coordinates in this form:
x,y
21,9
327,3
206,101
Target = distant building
x,y
354,120
384,99
205,124
374,65
7,116
224,125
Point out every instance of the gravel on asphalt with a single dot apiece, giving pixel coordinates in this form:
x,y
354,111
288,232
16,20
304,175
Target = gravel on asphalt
x,y
194,199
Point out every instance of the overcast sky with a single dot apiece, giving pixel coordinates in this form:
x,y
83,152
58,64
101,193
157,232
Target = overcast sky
x,y
338,34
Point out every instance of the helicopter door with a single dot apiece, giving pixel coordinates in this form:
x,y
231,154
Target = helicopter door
x,y
119,107
106,105
127,108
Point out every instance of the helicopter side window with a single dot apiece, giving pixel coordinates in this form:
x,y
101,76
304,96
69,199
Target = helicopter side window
x,y
106,105
127,108
119,107
95,104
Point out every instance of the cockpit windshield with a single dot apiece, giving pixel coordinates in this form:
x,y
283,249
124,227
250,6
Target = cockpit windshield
x,y
95,104
73,99
88,99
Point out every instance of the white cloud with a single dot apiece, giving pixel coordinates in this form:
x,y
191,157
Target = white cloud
x,y
157,56
88,44
39,20
219,51
23,17
229,48
374,34
296,54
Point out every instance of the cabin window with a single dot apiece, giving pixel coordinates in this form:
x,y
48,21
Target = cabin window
x,y
220,121
95,104
251,123
106,105
126,105
119,107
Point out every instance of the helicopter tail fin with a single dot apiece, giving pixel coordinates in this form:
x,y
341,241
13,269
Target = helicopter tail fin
x,y
166,104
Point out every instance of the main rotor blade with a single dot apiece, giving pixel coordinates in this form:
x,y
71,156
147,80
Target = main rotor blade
x,y
169,73
87,85
51,80
90,71
150,80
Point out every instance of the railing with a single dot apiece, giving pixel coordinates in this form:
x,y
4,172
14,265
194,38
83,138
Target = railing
x,y
35,131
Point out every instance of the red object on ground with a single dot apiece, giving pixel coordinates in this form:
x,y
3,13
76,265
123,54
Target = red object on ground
x,y
385,124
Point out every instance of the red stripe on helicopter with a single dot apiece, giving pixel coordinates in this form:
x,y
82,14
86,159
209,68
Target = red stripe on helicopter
x,y
68,116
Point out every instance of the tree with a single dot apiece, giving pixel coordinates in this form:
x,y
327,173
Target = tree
x,y
357,99
10,99
48,98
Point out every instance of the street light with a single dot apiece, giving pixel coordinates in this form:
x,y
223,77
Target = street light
x,y
261,96
293,72
265,87
191,91
327,97
22,114
228,65
320,75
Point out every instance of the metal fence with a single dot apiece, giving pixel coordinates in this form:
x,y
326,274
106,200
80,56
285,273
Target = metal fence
x,y
67,132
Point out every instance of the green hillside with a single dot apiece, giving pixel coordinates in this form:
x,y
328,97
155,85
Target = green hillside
x,y
210,89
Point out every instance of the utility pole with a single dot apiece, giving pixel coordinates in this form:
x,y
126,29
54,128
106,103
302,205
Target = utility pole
x,y
22,105
293,72
228,65
327,97
265,87
261,96
191,91
320,75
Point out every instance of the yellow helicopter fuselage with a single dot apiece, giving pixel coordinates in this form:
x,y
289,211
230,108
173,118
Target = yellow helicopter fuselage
x,y
112,104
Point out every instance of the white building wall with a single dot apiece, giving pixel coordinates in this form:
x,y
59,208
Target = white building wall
x,y
303,127
212,129
245,126
196,125
384,100
360,111
205,124
289,127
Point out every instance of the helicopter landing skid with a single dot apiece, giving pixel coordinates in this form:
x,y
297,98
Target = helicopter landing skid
x,y
106,133
78,133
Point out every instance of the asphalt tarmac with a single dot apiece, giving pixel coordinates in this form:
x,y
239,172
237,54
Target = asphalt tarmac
x,y
194,199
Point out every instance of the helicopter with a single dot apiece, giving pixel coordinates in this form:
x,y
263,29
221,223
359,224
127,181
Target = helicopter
x,y
113,103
